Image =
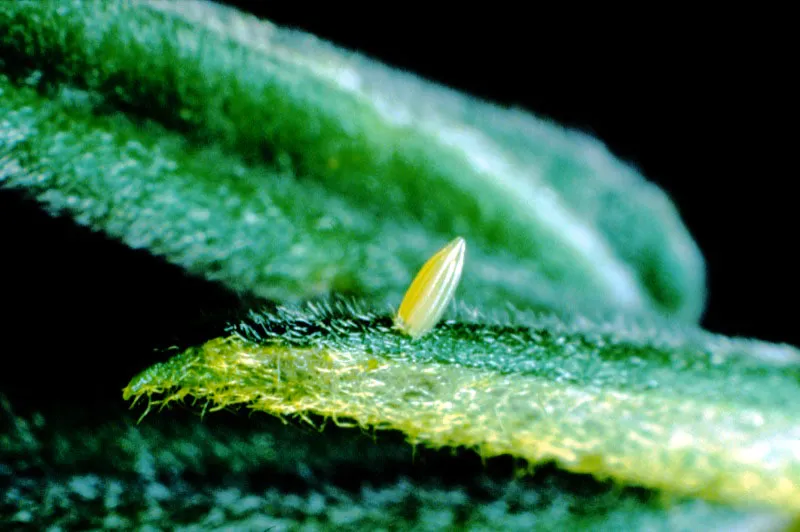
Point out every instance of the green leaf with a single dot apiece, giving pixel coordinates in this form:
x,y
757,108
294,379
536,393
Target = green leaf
x,y
282,166
674,409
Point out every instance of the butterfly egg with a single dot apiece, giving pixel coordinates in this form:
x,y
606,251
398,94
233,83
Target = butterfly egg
x,y
432,290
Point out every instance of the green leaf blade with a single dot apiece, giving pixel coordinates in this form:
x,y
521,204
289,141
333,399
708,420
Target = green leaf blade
x,y
389,146
685,412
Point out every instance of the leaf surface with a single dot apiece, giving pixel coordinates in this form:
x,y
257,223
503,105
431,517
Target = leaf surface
x,y
674,409
283,166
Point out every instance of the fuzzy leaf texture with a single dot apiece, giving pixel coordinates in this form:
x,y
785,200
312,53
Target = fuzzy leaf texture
x,y
674,409
284,167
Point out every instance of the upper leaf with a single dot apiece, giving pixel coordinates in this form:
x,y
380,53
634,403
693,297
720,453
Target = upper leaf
x,y
281,165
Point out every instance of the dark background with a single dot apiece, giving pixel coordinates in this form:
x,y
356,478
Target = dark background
x,y
698,109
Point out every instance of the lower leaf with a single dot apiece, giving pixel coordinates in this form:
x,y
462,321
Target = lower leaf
x,y
678,410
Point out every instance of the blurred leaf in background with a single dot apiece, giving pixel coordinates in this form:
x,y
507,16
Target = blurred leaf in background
x,y
279,165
